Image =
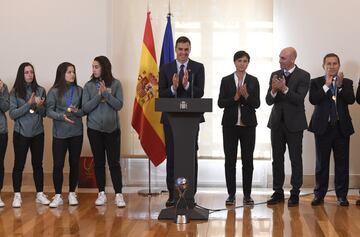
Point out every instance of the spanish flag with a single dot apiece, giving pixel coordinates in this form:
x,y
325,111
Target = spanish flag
x,y
145,120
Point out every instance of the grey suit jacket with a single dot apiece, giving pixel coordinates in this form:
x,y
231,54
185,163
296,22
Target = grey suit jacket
x,y
290,107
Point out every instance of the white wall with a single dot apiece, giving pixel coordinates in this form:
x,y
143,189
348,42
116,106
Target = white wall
x,y
316,28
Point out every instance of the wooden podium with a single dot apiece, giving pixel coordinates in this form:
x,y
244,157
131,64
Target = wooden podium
x,y
184,115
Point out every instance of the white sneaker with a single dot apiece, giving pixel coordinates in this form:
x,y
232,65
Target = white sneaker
x,y
57,201
42,198
72,199
2,204
119,200
101,200
17,200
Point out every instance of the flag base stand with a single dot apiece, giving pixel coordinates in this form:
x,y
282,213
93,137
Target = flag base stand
x,y
149,191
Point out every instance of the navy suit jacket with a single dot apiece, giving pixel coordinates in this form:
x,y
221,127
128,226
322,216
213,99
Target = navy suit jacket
x,y
322,101
196,82
290,107
247,106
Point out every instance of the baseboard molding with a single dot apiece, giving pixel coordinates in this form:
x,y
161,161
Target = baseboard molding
x,y
309,181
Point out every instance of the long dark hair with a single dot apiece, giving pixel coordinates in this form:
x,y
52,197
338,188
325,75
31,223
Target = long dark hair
x,y
60,82
19,85
106,73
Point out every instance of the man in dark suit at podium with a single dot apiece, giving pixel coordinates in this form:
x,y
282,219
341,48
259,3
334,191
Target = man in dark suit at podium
x,y
331,124
182,78
287,91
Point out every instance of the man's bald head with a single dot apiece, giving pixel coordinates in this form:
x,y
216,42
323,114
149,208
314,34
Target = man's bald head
x,y
287,58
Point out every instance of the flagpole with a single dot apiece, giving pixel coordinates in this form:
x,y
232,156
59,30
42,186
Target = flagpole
x,y
149,191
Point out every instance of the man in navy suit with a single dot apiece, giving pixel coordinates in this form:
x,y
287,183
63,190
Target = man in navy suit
x,y
239,96
287,90
182,78
331,124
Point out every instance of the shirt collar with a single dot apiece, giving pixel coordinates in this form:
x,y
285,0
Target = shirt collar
x,y
178,64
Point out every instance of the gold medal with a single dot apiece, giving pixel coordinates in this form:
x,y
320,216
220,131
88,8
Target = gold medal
x,y
69,109
31,111
334,98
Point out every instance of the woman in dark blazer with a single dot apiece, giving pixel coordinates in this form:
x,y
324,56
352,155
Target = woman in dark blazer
x,y
239,96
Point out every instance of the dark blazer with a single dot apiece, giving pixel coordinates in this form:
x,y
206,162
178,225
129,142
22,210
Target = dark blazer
x,y
358,94
290,106
322,101
247,106
196,73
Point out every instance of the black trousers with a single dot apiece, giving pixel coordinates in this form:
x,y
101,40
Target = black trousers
x,y
106,146
59,149
3,145
169,143
231,137
281,136
21,147
332,139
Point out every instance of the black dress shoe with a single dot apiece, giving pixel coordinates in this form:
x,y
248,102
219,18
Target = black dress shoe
x,y
230,200
275,199
248,201
293,200
358,202
170,202
342,201
317,201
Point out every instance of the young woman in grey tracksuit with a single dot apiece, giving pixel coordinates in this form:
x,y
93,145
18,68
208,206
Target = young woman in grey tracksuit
x,y
102,99
27,110
63,105
4,106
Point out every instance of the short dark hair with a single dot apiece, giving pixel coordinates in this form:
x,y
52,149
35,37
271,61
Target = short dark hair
x,y
330,55
182,39
240,54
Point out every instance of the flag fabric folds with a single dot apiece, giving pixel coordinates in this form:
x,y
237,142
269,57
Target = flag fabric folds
x,y
167,50
145,120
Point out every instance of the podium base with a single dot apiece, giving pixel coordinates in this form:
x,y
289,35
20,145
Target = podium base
x,y
194,214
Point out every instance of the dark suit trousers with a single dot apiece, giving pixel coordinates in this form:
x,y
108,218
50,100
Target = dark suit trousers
x,y
281,136
332,139
169,142
231,136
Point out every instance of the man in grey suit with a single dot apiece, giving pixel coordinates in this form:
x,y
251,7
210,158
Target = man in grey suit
x,y
287,90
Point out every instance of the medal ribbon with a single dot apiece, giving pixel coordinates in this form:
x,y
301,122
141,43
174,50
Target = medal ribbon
x,y
69,98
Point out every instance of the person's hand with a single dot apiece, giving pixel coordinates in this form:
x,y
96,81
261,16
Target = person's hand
x,y
31,99
68,120
39,101
243,91
340,79
275,84
282,84
175,81
102,87
185,79
237,94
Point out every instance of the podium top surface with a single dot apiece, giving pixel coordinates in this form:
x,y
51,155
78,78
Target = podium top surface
x,y
183,105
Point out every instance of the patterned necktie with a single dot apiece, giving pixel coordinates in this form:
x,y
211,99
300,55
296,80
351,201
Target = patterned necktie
x,y
333,116
181,74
